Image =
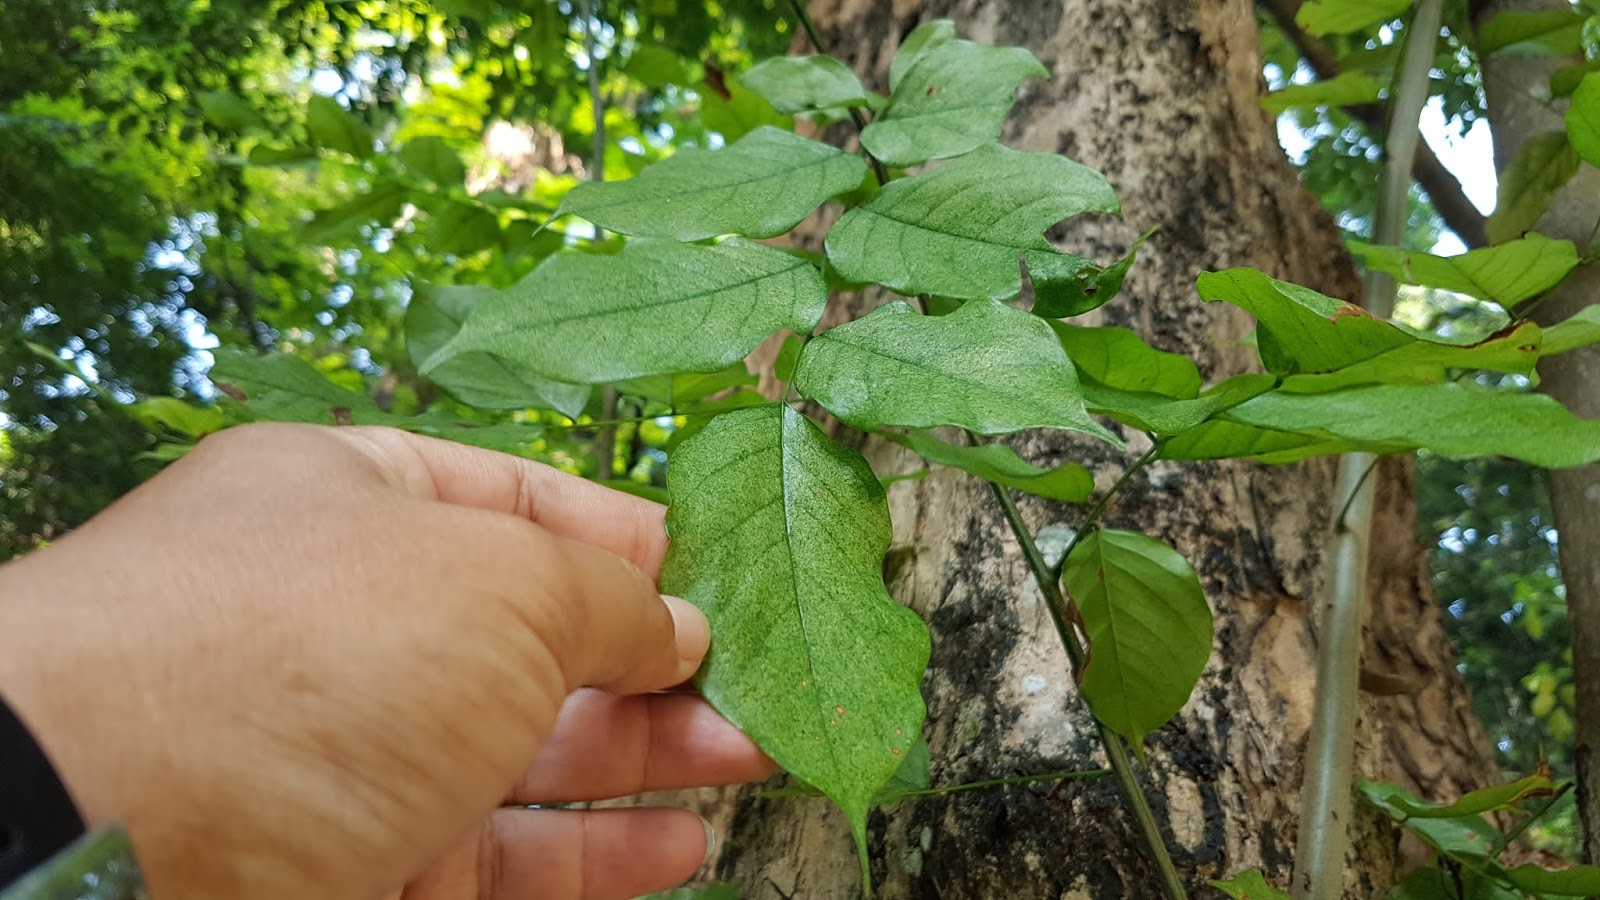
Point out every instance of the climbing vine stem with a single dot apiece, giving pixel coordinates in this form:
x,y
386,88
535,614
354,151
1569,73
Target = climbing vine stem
x,y
1116,751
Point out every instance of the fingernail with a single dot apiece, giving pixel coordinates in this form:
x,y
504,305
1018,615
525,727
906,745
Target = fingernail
x,y
711,842
693,634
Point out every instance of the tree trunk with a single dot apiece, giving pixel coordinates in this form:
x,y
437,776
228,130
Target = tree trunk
x,y
1161,96
1518,88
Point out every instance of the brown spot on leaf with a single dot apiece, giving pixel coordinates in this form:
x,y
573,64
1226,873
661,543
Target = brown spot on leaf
x,y
341,415
231,390
1350,309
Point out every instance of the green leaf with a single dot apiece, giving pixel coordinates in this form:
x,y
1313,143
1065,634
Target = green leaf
x,y
794,84
1578,881
433,159
1557,32
282,388
1066,285
262,155
951,100
1300,329
456,228
1581,330
1222,439
1324,17
788,357
1544,163
1466,839
1169,416
1433,884
1454,420
656,67
687,387
778,535
1345,89
1119,358
655,308
177,415
335,128
922,40
1506,274
1148,626
433,317
1490,799
381,204
1249,885
1583,119
959,230
1515,350
986,367
1566,80
760,186
1070,482
738,113
228,111
913,777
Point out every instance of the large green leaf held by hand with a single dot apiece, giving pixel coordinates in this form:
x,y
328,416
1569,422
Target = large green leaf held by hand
x,y
950,100
433,317
1506,274
1323,344
1148,625
794,84
778,534
653,309
986,367
760,185
959,230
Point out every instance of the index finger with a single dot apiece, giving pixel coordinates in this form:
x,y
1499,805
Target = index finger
x,y
628,526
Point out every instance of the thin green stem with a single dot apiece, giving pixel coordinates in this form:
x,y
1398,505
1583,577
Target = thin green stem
x,y
606,441
1092,520
634,420
1344,511
1006,782
856,115
1116,750
1517,830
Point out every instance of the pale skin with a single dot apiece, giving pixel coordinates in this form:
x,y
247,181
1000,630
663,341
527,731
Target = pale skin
x,y
321,662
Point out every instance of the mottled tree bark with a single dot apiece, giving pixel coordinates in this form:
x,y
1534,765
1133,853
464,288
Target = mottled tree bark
x,y
1161,96
1520,107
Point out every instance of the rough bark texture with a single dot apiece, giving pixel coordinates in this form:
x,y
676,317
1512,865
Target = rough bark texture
x,y
1160,95
1518,89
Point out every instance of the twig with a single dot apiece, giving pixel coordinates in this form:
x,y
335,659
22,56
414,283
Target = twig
x,y
856,115
1444,189
1116,750
606,440
1091,520
1325,795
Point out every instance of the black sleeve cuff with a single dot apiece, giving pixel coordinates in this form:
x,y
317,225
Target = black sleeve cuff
x,y
37,817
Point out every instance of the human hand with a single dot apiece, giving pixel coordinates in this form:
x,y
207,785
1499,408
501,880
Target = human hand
x,y
316,662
